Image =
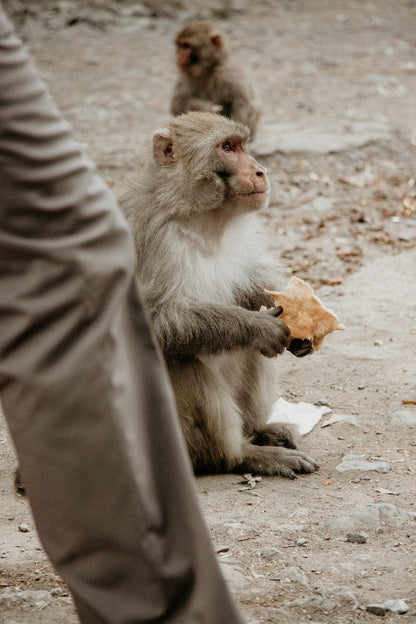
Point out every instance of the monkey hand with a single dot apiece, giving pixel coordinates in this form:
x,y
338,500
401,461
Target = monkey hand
x,y
300,347
271,335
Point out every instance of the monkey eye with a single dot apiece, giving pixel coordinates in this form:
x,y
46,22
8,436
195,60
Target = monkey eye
x,y
227,146
184,46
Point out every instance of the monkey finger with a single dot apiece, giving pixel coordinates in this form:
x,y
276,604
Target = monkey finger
x,y
285,471
275,311
299,461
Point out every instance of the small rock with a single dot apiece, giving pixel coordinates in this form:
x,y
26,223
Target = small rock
x,y
343,595
357,462
23,528
350,419
313,603
406,417
234,574
377,609
294,575
301,541
287,138
239,530
378,343
270,552
323,401
396,606
357,538
25,599
375,517
404,237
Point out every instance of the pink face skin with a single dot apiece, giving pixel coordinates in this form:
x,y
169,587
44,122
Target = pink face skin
x,y
185,61
250,183
184,50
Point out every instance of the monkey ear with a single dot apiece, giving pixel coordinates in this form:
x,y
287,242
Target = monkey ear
x,y
163,151
216,41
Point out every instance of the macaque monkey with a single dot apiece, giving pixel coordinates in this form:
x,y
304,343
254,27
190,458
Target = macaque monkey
x,y
208,80
203,265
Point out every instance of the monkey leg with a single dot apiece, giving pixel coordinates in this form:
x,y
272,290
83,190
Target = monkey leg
x,y
277,434
272,460
257,393
210,418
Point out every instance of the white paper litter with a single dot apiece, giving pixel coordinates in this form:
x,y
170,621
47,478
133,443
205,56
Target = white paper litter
x,y
304,415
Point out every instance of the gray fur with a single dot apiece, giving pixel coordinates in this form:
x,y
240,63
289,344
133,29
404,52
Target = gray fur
x,y
203,272
220,85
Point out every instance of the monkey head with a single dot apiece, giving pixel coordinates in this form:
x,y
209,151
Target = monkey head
x,y
200,47
203,155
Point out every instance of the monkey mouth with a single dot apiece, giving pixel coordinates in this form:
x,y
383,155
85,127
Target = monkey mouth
x,y
249,193
258,194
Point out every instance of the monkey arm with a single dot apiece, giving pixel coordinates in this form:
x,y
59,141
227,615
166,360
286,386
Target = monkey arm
x,y
184,101
184,105
210,329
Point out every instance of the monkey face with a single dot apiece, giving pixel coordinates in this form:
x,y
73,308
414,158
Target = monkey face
x,y
187,56
199,48
203,155
246,182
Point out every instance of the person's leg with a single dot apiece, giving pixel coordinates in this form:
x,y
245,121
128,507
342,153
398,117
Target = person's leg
x,y
83,387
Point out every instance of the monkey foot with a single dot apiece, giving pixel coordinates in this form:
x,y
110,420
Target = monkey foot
x,y
277,434
268,460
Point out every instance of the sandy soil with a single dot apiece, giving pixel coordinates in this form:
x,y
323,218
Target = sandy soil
x,y
338,135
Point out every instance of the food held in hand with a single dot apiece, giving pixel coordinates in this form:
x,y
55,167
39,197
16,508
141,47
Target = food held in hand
x,y
305,314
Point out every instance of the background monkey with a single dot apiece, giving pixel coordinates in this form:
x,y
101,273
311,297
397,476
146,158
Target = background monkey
x,y
208,80
203,264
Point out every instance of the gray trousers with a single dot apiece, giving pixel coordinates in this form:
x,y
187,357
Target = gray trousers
x,y
83,386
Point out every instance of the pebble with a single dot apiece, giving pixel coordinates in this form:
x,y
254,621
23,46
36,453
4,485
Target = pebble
x,y
313,603
376,517
294,575
323,401
343,595
23,528
270,552
396,606
239,530
26,599
377,609
301,541
406,417
293,137
357,538
350,419
357,462
234,574
378,343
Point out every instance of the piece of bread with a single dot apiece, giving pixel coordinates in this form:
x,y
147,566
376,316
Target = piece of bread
x,y
305,314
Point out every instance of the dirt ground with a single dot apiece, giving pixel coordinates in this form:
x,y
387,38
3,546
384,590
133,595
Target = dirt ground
x,y
338,136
